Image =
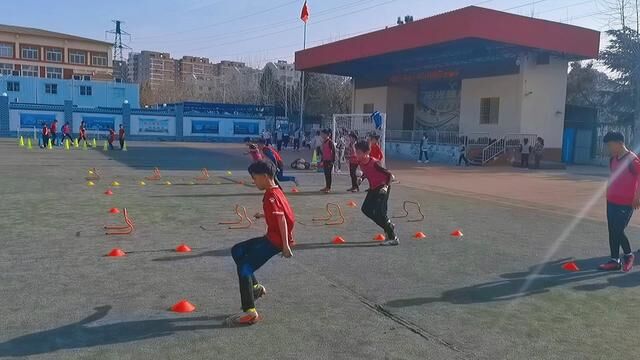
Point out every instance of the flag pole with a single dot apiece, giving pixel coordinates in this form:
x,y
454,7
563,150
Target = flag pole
x,y
304,47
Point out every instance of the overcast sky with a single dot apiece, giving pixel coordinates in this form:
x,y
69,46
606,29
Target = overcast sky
x,y
257,31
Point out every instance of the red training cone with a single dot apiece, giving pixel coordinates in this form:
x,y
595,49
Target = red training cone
x,y
116,253
352,204
295,190
419,235
114,211
183,248
457,233
338,240
183,306
379,237
570,266
109,192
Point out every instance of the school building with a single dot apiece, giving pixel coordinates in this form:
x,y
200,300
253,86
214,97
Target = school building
x,y
488,77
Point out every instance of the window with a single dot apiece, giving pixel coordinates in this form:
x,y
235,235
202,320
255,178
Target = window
x,y
82,77
13,86
6,50
489,110
85,90
77,57
54,73
54,54
245,128
99,59
6,69
31,53
367,108
30,70
51,88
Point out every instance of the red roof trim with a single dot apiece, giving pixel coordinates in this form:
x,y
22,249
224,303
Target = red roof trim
x,y
469,22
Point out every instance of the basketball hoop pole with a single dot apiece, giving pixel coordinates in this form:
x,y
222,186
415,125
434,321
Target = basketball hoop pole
x,y
304,47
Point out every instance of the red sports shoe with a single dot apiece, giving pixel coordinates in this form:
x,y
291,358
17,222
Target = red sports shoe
x,y
610,265
244,318
627,262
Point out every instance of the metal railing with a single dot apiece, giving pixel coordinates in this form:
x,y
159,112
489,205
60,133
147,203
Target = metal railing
x,y
515,140
493,150
436,137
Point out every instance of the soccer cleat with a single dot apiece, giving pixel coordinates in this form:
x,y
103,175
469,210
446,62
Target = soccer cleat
x,y
391,242
419,161
353,189
259,291
610,265
627,262
426,161
244,318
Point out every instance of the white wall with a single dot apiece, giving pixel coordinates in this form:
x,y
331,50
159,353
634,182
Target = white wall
x,y
77,118
507,88
376,96
397,98
544,90
225,127
135,125
14,119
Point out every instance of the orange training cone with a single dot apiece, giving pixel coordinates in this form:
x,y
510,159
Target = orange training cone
x,y
570,266
183,306
109,192
419,235
183,248
379,237
114,211
116,253
352,204
457,233
295,190
338,240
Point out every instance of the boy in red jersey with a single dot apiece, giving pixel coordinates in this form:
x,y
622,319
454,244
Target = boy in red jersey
x,y
328,158
111,138
121,136
375,204
622,198
250,255
376,151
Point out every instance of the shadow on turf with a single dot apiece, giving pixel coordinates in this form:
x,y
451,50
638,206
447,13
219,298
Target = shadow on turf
x,y
298,247
83,335
550,275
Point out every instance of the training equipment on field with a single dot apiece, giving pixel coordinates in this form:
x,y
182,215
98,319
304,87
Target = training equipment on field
x,y
115,183
105,147
90,183
142,183
156,175
124,147
121,230
29,144
362,125
330,215
295,190
406,212
49,145
67,144
204,175
352,204
243,222
94,175
21,141
114,211
570,266
94,143
167,182
379,237
183,306
338,240
116,253
419,235
109,192
457,233
183,248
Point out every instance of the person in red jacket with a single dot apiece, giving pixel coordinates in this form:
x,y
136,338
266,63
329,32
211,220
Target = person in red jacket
x,y
45,136
328,158
121,136
351,156
66,133
54,131
376,151
112,138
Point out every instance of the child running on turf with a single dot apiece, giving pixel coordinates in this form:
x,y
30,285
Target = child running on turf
x,y
255,153
375,203
250,255
66,132
111,138
45,136
121,136
328,158
350,155
622,198
270,153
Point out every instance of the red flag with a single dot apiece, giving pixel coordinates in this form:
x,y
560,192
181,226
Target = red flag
x,y
304,16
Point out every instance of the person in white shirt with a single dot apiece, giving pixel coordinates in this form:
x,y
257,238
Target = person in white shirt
x,y
525,150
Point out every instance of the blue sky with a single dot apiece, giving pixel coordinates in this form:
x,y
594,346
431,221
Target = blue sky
x,y
256,31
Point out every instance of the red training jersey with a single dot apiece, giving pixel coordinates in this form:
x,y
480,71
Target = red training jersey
x,y
376,152
45,131
54,127
328,153
374,172
121,133
65,129
275,201
623,183
112,136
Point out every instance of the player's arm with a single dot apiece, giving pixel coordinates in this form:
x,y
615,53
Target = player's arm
x,y
284,231
335,152
268,153
636,198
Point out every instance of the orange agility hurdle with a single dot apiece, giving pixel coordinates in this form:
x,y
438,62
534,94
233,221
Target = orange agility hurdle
x,y
406,212
204,175
121,230
156,175
243,222
330,214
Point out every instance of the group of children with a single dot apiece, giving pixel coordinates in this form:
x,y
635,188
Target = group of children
x,y
50,133
266,171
